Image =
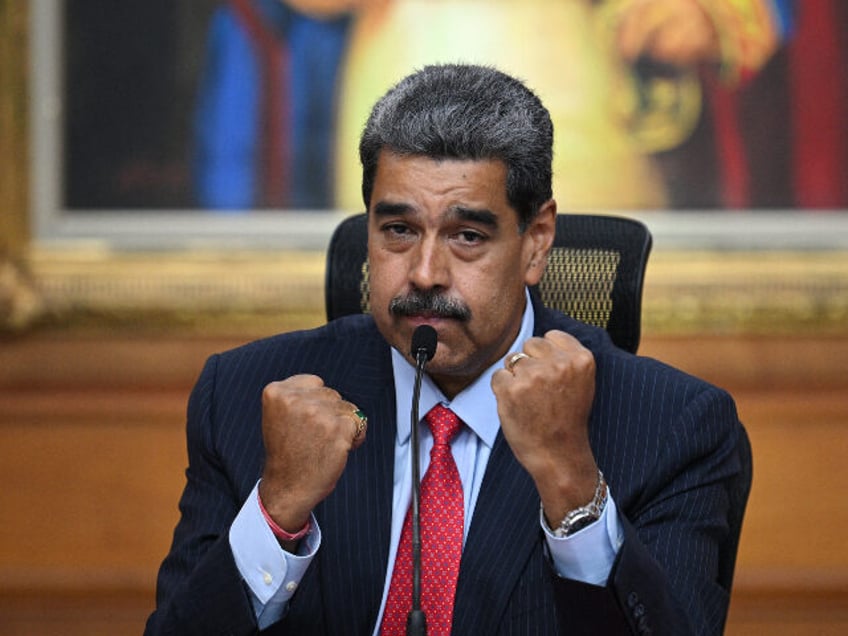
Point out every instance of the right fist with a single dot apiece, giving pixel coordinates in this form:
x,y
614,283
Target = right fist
x,y
308,430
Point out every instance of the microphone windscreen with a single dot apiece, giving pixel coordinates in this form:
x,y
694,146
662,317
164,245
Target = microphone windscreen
x,y
424,340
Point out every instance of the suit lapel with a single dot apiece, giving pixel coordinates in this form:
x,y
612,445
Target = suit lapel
x,y
504,532
504,535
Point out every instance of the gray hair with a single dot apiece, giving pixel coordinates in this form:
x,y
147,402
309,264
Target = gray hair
x,y
461,111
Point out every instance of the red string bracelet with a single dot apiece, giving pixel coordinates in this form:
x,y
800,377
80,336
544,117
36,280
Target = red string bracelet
x,y
281,534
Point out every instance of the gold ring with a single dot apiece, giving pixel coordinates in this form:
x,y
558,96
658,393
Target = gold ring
x,y
361,424
512,360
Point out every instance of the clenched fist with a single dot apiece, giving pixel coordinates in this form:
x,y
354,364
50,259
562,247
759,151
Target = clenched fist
x,y
544,400
308,430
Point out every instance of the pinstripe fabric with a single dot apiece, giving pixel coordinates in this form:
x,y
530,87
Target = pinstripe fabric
x,y
667,443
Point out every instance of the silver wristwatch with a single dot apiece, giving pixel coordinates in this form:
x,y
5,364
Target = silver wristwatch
x,y
579,518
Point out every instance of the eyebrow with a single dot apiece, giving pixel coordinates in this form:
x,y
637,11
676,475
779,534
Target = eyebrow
x,y
387,208
480,216
476,215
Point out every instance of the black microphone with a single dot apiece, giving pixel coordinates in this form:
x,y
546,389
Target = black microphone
x,y
424,340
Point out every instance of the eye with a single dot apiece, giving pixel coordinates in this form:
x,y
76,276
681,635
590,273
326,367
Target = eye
x,y
470,237
396,231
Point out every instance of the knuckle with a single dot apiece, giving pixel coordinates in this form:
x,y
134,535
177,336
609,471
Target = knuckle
x,y
560,338
534,345
270,392
584,360
303,381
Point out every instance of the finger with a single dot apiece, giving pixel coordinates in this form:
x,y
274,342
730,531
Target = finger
x,y
536,347
304,381
299,393
548,346
514,359
500,378
562,340
360,424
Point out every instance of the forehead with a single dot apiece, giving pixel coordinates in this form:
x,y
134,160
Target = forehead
x,y
423,183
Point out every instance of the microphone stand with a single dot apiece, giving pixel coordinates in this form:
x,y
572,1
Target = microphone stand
x,y
416,621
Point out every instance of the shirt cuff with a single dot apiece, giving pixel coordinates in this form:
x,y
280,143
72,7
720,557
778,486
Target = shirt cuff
x,y
272,575
589,554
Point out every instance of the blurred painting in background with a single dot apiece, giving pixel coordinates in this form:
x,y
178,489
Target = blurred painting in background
x,y
258,104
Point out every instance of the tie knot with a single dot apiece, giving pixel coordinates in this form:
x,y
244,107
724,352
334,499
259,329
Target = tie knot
x,y
443,423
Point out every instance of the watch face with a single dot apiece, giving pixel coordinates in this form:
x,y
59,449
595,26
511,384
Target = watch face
x,y
581,522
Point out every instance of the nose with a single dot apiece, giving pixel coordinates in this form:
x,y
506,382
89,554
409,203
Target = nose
x,y
429,267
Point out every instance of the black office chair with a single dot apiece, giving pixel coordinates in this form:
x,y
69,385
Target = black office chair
x,y
595,272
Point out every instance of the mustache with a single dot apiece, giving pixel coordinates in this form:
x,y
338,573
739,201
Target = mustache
x,y
430,303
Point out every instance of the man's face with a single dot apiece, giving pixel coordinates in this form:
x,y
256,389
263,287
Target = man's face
x,y
445,250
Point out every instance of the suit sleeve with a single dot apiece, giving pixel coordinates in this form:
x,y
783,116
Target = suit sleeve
x,y
665,579
199,589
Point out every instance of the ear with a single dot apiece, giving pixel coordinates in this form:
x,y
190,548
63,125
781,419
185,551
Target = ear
x,y
538,239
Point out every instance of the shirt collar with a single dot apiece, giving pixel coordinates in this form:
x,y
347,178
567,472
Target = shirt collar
x,y
475,405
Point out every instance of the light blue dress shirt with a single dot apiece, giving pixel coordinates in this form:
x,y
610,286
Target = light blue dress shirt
x,y
272,575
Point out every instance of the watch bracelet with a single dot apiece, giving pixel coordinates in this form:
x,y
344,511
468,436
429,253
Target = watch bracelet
x,y
592,510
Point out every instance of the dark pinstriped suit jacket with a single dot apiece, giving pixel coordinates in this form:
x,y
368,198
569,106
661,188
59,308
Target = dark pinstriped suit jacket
x,y
665,441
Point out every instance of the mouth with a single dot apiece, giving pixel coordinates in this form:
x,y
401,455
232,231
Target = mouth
x,y
426,319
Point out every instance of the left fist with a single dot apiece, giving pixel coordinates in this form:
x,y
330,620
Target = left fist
x,y
544,400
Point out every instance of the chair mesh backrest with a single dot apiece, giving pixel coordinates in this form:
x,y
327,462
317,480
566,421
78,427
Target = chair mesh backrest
x,y
595,272
365,288
579,282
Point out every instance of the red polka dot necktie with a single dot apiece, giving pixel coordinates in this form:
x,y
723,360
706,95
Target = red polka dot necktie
x,y
441,515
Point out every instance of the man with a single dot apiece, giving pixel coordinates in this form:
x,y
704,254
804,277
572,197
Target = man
x,y
594,484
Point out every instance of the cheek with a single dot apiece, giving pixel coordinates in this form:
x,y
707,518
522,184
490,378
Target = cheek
x,y
496,284
382,281
494,299
387,280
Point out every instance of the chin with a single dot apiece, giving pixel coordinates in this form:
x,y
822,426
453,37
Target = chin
x,y
442,365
